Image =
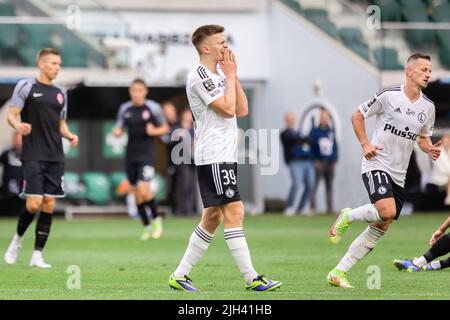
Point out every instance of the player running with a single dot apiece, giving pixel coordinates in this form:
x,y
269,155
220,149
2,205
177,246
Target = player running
x,y
216,98
144,121
404,115
440,245
42,107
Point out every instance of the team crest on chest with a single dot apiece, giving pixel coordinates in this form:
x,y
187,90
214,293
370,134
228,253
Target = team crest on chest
x,y
60,98
145,115
421,117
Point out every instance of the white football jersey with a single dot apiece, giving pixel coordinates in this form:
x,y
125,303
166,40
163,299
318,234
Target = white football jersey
x,y
398,123
215,136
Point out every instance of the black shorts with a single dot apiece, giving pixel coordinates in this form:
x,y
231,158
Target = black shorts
x,y
379,185
218,183
43,178
139,171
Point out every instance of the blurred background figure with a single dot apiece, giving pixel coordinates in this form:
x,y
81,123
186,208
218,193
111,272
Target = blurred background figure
x,y
440,175
10,202
170,112
297,155
185,188
324,153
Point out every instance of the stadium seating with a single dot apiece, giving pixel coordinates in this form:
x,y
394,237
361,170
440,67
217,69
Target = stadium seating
x,y
38,36
7,9
98,187
9,36
73,55
387,58
117,179
162,188
73,187
294,5
353,39
390,10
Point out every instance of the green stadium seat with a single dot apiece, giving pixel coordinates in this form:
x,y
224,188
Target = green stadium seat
x,y
38,35
73,55
294,5
361,49
328,27
97,187
9,36
414,10
73,187
27,55
316,14
116,179
390,10
387,58
162,188
351,36
7,9
441,13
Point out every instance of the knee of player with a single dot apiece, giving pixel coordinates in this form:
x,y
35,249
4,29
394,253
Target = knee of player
x,y
48,204
34,205
216,218
387,213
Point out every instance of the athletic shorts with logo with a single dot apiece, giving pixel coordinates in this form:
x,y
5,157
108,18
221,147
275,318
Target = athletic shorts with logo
x,y
380,185
139,171
218,183
43,178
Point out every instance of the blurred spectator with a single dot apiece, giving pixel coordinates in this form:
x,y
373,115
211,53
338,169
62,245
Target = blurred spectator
x,y
297,155
185,189
440,175
10,202
324,152
170,112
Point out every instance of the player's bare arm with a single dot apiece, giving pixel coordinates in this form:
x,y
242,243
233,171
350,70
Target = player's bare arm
x,y
117,132
153,131
66,134
369,150
433,150
440,231
226,105
22,127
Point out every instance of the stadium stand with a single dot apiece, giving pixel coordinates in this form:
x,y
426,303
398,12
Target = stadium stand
x,y
19,43
368,46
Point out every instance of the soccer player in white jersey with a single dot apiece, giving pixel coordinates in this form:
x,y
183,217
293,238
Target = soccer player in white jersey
x,y
404,115
216,98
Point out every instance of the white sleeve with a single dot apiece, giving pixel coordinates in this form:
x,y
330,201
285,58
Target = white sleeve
x,y
207,90
427,129
63,114
372,106
20,94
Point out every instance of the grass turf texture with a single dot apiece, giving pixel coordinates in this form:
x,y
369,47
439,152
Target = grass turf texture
x,y
115,264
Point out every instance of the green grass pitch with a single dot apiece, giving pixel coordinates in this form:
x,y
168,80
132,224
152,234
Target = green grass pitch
x,y
115,264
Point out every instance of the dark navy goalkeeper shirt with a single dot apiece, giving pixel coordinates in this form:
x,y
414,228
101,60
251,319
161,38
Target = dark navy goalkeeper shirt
x,y
43,106
135,119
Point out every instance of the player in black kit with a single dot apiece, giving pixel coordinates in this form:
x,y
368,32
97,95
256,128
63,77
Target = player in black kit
x,y
42,107
144,121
